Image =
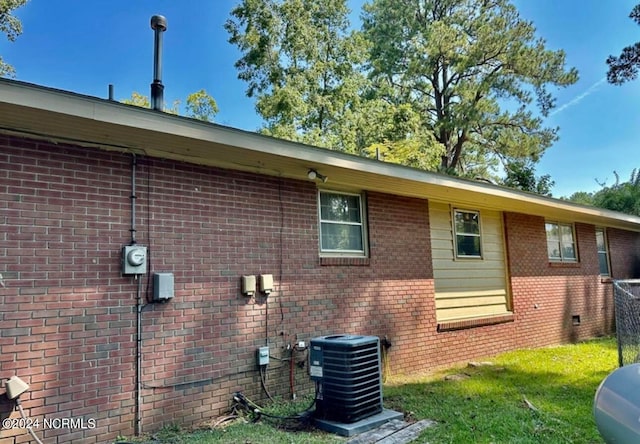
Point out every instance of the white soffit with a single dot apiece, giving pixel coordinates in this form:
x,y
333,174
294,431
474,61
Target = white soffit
x,y
61,116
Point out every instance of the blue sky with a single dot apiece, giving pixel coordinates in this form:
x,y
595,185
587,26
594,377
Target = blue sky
x,y
83,46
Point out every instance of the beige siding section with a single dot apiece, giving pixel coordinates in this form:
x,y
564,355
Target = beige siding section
x,y
468,288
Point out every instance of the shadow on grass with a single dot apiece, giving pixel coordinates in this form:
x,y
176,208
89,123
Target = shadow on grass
x,y
523,397
528,396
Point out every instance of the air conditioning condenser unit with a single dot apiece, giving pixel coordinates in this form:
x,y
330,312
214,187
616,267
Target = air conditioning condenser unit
x,y
347,369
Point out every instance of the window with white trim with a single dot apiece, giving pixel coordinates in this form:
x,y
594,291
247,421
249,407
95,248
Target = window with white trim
x,y
561,243
342,226
466,227
603,251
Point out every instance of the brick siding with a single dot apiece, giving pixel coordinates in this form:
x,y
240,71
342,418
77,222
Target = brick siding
x,y
547,295
68,317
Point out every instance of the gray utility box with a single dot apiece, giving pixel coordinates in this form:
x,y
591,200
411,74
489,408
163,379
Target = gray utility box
x,y
162,287
347,369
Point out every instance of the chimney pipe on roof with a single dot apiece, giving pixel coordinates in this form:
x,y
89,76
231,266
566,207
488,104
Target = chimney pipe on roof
x,y
159,25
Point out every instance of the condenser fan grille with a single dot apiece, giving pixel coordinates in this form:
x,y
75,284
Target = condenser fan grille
x,y
347,369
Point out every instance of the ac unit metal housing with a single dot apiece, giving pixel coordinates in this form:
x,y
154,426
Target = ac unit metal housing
x,y
347,369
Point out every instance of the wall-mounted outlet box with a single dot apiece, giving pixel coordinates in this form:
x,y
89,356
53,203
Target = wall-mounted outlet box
x,y
248,285
266,283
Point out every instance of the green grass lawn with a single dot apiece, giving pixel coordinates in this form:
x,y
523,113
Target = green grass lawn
x,y
527,396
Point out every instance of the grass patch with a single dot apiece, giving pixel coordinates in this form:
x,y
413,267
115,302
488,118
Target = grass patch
x,y
247,428
526,396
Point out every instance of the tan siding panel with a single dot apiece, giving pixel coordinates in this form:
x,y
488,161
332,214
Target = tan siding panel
x,y
467,294
478,301
468,287
471,312
444,245
478,273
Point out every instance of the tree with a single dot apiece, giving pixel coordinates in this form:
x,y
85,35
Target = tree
x,y
11,27
399,137
582,197
138,99
625,67
471,69
302,63
520,174
623,197
200,105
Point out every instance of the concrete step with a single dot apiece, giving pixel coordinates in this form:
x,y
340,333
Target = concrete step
x,y
393,432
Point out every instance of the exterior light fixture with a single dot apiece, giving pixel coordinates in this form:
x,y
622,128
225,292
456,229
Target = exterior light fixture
x,y
313,175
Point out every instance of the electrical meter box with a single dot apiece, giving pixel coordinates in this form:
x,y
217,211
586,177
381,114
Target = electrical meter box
x,y
134,259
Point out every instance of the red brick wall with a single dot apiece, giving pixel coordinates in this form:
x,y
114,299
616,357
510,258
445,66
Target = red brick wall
x,y
548,295
545,296
624,246
68,317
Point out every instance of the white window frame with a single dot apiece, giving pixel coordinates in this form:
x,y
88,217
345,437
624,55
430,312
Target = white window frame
x,y
326,252
604,252
561,241
455,234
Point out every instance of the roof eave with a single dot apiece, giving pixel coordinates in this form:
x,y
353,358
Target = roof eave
x,y
59,115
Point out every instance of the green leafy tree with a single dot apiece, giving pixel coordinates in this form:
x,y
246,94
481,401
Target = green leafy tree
x,y
582,197
625,66
623,197
138,99
472,70
143,101
199,105
400,137
520,174
302,63
11,27
409,152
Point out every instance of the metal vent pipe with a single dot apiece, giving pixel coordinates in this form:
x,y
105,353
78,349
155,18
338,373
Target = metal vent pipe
x,y
159,25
